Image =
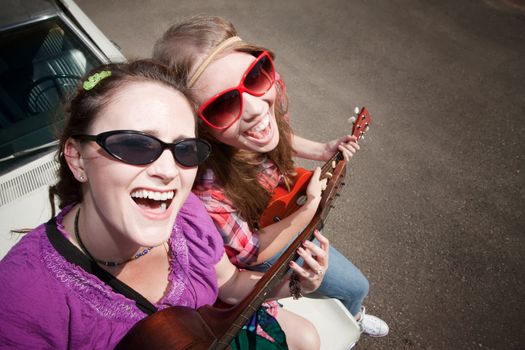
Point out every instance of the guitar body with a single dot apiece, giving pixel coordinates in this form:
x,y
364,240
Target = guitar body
x,y
214,328
173,328
179,327
284,202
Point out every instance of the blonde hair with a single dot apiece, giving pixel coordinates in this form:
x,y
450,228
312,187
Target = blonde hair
x,y
182,47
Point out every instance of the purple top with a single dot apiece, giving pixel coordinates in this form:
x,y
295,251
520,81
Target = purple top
x,y
47,302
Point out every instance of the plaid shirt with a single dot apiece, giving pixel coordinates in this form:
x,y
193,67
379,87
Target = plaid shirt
x,y
241,244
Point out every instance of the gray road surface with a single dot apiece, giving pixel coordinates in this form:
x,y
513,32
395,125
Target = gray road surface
x,y
434,214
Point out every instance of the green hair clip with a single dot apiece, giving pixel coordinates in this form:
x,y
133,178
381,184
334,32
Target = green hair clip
x,y
94,79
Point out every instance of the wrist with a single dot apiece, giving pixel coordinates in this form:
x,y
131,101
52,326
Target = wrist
x,y
327,152
312,202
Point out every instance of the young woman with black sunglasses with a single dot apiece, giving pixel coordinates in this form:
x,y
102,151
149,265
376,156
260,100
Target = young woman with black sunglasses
x,y
243,114
130,238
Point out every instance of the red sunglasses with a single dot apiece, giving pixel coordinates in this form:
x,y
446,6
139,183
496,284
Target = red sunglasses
x,y
225,108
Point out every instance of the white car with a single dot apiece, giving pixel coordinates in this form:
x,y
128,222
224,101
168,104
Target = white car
x,y
46,47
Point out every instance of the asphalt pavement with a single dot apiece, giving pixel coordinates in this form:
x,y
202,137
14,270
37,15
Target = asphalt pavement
x,y
433,212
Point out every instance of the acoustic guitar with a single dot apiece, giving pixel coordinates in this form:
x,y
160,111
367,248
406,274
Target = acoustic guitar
x,y
285,201
214,328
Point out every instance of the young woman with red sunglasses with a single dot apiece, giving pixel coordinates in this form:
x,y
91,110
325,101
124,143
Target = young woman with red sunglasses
x,y
131,238
243,114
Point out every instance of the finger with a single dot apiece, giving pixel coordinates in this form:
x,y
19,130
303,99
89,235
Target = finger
x,y
346,139
348,147
313,271
346,154
349,138
310,263
324,243
317,173
352,145
299,269
324,246
319,253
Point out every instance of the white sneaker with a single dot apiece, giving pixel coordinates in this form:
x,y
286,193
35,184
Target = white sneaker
x,y
372,325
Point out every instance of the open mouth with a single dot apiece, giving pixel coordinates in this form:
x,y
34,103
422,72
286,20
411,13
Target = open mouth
x,y
153,201
261,130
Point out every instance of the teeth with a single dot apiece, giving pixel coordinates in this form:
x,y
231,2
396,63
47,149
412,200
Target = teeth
x,y
262,125
154,195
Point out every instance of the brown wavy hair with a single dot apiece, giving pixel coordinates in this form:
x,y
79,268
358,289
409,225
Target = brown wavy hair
x,y
181,47
86,105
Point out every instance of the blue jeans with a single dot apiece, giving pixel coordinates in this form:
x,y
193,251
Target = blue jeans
x,y
343,280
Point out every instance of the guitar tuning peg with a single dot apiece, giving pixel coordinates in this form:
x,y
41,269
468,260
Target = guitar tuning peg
x,y
356,110
352,120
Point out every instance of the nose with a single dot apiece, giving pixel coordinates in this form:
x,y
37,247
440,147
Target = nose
x,y
164,167
253,106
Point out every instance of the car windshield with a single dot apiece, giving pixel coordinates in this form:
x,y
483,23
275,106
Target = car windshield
x,y
40,64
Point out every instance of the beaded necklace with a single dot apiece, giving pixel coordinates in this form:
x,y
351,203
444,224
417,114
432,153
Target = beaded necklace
x,y
105,263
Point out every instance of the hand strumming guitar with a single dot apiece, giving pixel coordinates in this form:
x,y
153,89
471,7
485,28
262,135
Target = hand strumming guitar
x,y
314,191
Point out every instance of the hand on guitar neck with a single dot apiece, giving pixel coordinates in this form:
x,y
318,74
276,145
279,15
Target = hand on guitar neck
x,y
285,200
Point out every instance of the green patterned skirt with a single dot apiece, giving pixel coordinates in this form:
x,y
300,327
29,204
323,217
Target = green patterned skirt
x,y
248,339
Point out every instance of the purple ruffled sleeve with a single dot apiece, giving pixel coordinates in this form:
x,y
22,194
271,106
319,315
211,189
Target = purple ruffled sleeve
x,y
49,303
205,249
27,301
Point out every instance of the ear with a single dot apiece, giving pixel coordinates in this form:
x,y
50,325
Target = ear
x,y
74,159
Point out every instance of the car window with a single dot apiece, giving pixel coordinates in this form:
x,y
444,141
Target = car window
x,y
40,64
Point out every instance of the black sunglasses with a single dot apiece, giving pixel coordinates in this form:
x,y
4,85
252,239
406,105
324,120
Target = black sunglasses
x,y
138,148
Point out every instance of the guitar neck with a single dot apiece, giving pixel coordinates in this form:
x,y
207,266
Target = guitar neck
x,y
214,328
266,284
279,269
330,165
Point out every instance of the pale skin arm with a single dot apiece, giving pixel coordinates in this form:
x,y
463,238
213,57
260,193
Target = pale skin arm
x,y
273,238
309,149
235,285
